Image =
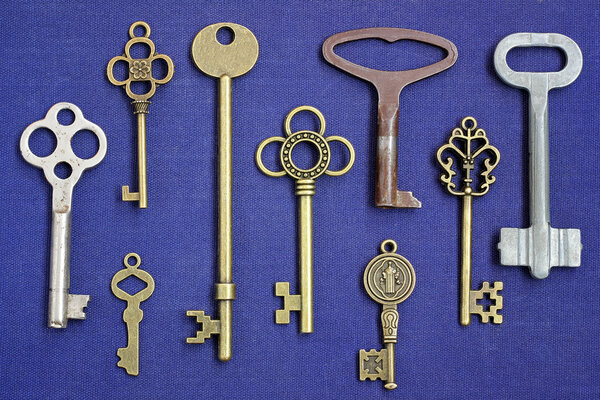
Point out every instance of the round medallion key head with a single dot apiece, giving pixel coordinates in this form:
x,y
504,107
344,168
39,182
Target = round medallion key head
x,y
389,278
217,59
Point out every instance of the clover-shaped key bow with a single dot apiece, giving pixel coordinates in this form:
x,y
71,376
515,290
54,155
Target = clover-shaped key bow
x,y
469,143
305,189
140,70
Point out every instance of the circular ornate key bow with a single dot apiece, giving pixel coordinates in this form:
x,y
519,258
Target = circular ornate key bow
x,y
389,278
140,70
315,138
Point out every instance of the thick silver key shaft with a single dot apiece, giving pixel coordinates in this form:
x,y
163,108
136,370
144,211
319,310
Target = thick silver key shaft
x,y
61,304
540,247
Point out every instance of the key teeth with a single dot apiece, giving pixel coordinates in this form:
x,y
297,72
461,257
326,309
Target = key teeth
x,y
495,297
291,302
75,305
129,196
381,359
209,327
124,361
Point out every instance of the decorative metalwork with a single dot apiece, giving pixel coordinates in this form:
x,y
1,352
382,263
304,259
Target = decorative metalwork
x,y
389,279
469,143
130,355
305,189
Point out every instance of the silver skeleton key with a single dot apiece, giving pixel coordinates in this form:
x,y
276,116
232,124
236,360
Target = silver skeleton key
x,y
540,247
61,304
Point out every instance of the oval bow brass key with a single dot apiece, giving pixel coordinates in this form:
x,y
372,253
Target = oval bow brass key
x,y
469,143
389,279
223,61
140,70
305,189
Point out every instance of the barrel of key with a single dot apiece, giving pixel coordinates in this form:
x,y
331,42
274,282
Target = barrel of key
x,y
540,247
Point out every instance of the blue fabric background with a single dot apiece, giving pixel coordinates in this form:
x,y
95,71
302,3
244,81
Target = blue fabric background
x,y
547,347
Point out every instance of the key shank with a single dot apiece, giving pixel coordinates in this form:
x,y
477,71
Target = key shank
x,y
130,355
140,109
305,189
465,273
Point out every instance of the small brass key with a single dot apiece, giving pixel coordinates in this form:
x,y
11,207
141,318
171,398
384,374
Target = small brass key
x,y
140,70
305,189
130,355
468,143
224,62
389,279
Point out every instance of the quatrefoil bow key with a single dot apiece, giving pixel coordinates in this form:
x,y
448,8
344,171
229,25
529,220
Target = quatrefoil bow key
x,y
140,70
468,143
305,189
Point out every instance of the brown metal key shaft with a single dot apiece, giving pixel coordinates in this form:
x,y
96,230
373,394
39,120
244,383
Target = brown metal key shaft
x,y
389,84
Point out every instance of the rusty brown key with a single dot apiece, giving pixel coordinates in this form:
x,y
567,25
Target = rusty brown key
x,y
389,84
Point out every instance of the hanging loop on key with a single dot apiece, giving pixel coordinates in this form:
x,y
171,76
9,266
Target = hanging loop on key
x,y
140,70
528,80
468,143
132,270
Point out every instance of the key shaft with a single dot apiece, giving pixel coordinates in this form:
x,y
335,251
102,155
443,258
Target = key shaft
x,y
465,273
130,355
305,189
140,109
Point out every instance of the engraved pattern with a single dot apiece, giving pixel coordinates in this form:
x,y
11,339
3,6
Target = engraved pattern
x,y
475,143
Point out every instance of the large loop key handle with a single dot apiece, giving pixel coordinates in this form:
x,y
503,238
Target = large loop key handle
x,y
61,304
389,84
305,189
140,70
539,247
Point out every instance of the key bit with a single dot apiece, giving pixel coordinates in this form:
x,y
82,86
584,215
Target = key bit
x,y
132,316
140,70
389,279
467,143
305,189
223,61
62,305
389,85
540,247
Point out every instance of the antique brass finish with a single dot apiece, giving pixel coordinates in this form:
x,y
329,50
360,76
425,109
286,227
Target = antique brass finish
x,y
468,143
224,62
389,85
130,355
305,189
389,279
140,70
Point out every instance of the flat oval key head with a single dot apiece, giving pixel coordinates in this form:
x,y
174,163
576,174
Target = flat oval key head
x,y
233,59
389,84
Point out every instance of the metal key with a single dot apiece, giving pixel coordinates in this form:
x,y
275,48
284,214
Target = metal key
x,y
539,247
469,143
224,62
389,84
389,279
140,70
130,355
61,304
305,189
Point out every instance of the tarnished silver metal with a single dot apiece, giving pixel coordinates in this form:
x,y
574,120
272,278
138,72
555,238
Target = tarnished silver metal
x,y
539,247
61,304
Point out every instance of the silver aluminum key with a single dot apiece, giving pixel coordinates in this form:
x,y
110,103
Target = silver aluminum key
x,y
540,247
61,304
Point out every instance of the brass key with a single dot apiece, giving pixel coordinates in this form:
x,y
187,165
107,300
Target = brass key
x,y
389,279
305,189
468,143
130,355
224,62
140,70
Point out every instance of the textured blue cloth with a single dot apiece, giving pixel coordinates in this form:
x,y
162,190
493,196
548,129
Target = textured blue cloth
x,y
547,347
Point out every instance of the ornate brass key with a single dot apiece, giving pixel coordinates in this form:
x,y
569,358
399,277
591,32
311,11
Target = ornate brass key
x,y
130,355
468,143
305,189
224,62
389,279
140,70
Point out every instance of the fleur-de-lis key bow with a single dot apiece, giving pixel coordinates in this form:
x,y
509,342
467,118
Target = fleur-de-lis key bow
x,y
467,143
140,70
